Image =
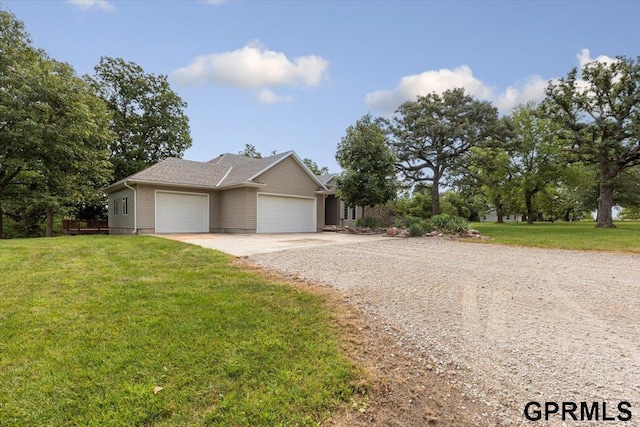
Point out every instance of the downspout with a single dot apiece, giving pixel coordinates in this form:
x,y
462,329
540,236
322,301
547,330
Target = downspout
x,y
135,207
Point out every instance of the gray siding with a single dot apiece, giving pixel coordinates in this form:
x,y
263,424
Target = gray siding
x,y
121,224
287,177
237,210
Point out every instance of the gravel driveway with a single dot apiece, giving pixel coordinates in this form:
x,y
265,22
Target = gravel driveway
x,y
506,325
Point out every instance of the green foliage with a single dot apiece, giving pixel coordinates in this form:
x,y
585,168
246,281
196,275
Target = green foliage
x,y
536,150
54,133
148,117
368,174
250,151
367,222
419,205
600,113
418,229
449,224
313,167
580,235
630,214
431,135
90,328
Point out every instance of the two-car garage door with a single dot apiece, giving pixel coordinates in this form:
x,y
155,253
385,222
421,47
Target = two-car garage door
x,y
280,214
182,212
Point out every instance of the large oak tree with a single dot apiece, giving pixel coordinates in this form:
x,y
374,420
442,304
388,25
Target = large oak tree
x,y
601,115
432,134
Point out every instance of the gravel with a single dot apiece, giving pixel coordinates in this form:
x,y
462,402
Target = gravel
x,y
506,325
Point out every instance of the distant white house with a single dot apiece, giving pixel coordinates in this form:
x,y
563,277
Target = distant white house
x,y
491,216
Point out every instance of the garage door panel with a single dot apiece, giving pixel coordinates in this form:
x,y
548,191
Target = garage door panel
x,y
182,213
280,214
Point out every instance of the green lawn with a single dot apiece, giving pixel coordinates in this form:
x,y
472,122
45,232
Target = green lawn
x,y
566,235
92,326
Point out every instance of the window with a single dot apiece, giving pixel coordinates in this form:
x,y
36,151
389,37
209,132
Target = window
x,y
353,212
115,207
125,206
345,214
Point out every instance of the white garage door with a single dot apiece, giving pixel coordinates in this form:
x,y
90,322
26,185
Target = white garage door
x,y
182,212
278,214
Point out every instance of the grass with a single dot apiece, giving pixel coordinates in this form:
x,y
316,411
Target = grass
x,y
91,327
625,237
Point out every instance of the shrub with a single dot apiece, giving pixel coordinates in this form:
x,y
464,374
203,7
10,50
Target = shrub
x,y
409,220
449,224
417,229
367,222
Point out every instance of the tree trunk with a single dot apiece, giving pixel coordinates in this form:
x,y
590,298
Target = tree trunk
x,y
499,214
362,211
605,200
49,223
528,200
435,196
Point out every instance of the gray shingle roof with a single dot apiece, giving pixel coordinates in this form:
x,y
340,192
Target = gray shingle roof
x,y
227,170
182,172
327,177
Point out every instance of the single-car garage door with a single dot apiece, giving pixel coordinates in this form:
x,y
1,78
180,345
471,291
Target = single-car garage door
x,y
182,212
279,214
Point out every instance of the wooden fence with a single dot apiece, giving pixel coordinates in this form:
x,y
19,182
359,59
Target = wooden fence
x,y
73,226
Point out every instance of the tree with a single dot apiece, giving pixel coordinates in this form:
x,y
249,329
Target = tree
x,y
18,67
431,134
601,115
490,173
313,167
536,150
148,117
53,132
250,151
368,172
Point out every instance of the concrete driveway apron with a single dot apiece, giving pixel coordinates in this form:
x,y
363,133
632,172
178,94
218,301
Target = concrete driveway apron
x,y
242,245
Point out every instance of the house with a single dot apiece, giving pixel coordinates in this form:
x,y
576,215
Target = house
x,y
337,213
231,193
492,216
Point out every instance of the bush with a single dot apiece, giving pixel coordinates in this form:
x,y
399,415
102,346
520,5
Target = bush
x,y
417,229
449,224
408,221
367,222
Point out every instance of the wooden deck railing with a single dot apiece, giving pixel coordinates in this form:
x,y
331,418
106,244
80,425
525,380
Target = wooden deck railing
x,y
73,226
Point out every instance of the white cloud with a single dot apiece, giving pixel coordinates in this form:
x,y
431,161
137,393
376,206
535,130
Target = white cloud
x,y
422,84
215,2
265,96
584,57
531,90
87,4
252,66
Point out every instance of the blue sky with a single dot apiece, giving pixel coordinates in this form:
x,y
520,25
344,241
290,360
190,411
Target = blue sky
x,y
294,75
